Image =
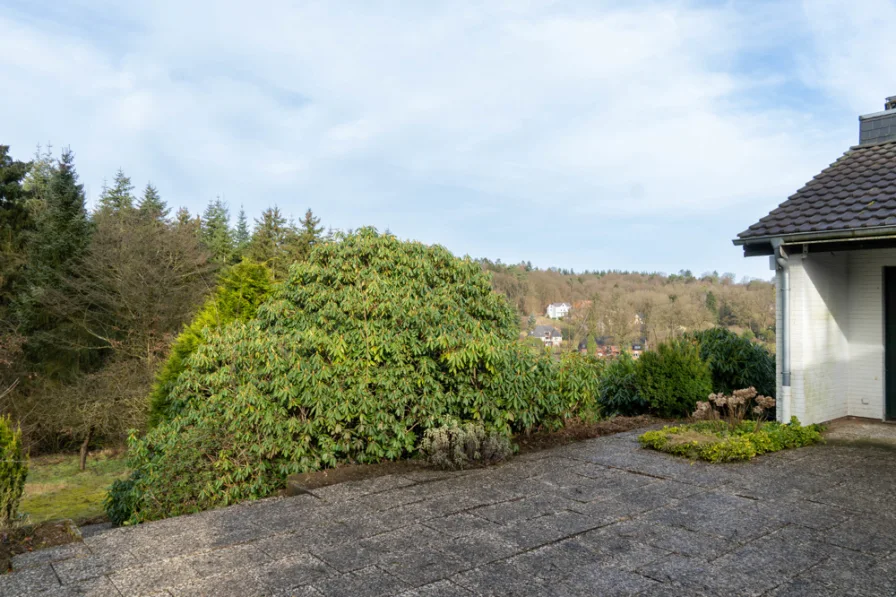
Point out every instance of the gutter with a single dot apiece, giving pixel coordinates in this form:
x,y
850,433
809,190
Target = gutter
x,y
782,283
876,232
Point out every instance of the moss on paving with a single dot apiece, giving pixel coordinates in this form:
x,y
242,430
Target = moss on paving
x,y
55,488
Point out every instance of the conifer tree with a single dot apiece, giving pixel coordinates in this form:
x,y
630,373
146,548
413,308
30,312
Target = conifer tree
x,y
270,242
14,224
309,234
151,205
241,234
119,197
54,248
216,233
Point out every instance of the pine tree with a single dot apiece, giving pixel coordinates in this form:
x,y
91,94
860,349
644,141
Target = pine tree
x,y
151,206
118,198
183,217
216,233
269,242
15,221
37,181
309,234
241,234
54,248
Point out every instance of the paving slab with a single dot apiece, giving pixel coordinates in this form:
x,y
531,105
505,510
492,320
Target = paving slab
x,y
598,517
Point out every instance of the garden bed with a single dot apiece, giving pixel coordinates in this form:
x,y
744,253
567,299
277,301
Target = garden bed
x,y
575,431
718,441
542,440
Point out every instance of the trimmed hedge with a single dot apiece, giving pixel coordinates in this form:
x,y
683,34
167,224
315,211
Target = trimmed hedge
x,y
714,441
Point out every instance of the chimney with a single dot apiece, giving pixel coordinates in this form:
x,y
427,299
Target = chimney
x,y
880,126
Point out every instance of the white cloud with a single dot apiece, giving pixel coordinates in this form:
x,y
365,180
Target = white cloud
x,y
852,57
650,110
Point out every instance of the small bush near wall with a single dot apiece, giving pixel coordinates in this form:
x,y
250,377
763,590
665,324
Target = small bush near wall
x,y
457,446
715,441
13,470
673,378
736,362
619,393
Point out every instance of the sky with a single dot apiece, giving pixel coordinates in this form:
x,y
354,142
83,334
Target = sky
x,y
585,135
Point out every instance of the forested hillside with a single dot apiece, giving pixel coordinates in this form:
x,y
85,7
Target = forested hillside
x,y
629,305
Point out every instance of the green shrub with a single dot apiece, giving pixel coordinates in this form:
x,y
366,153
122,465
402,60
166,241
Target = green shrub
x,y
13,470
736,362
714,441
359,351
120,501
619,393
673,378
241,289
578,383
456,445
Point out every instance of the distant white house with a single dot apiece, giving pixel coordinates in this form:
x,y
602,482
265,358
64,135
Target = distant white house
x,y
549,335
558,310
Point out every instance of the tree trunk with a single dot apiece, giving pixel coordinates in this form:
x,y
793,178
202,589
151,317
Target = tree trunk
x,y
83,462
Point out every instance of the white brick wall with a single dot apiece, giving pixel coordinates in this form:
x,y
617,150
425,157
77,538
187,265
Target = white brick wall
x,y
819,316
866,338
837,334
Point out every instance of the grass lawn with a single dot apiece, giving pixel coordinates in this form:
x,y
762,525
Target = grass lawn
x,y
55,488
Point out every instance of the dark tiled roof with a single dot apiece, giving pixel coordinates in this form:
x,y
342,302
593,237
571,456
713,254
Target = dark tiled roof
x,y
857,191
545,330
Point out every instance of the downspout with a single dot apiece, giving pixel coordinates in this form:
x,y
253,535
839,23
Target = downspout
x,y
782,273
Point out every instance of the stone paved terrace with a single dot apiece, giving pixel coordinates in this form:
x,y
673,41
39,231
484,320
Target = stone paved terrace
x,y
597,518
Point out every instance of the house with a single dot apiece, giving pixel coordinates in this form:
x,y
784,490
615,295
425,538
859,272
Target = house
x,y
833,248
558,310
550,335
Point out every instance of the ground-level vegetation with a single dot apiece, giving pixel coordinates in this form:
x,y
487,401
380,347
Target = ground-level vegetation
x,y
57,489
730,427
717,442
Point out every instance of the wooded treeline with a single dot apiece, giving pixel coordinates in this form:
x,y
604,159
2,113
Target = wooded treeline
x,y
90,301
626,306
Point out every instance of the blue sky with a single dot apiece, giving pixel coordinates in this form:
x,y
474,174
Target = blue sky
x,y
586,135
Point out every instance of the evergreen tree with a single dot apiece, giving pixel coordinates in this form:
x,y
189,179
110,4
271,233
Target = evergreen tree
x,y
712,303
119,197
216,233
15,221
309,234
54,248
241,234
182,217
151,206
270,242
37,181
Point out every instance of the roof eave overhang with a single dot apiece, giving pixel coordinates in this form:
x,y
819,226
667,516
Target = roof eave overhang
x,y
762,245
824,235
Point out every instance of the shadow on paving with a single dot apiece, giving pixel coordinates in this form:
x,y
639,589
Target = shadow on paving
x,y
599,517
